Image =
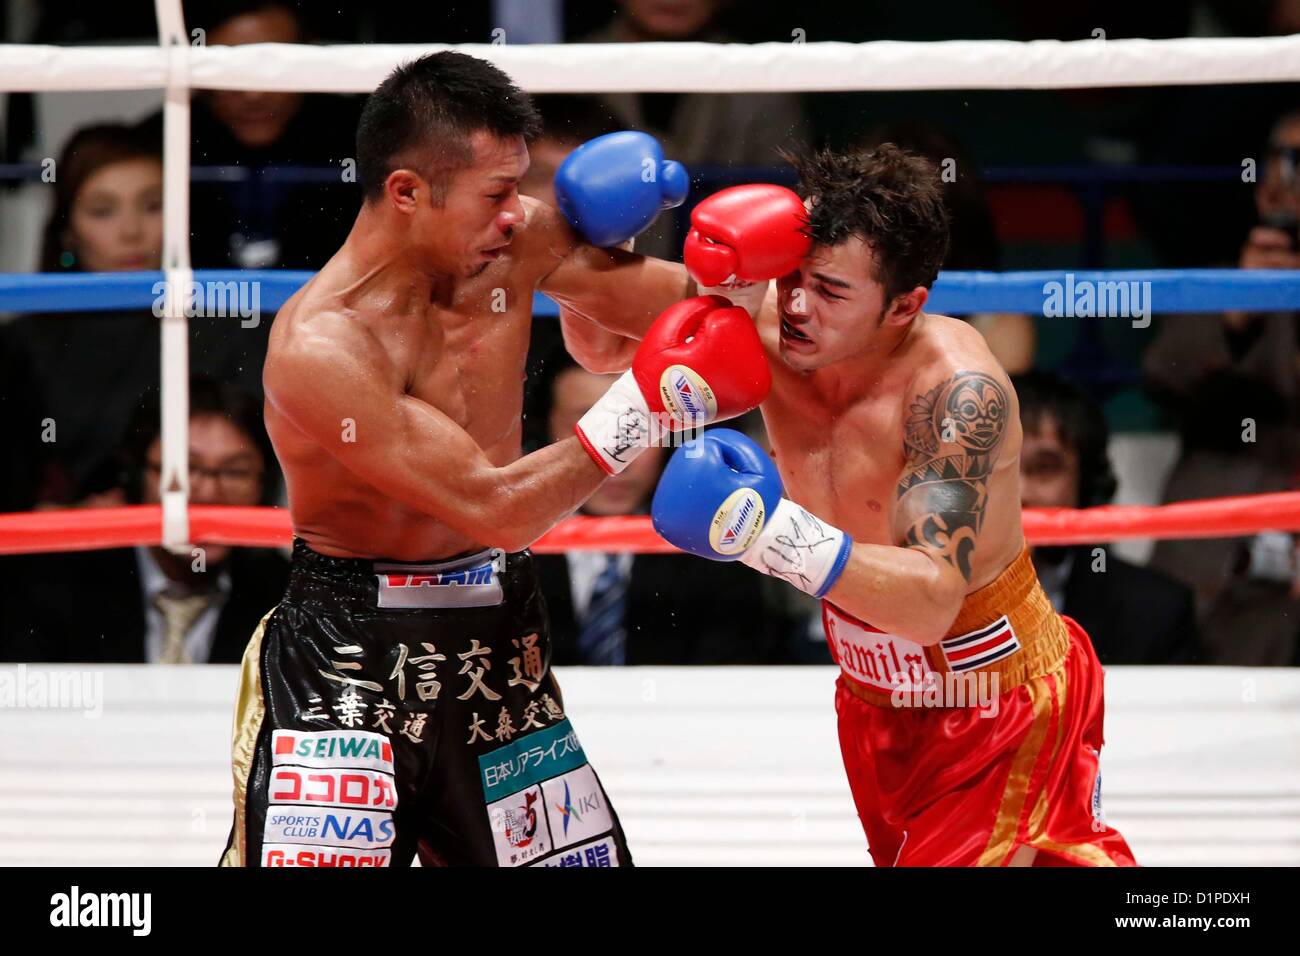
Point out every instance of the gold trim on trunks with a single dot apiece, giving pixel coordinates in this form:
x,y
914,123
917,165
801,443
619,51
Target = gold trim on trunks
x,y
1015,593
250,709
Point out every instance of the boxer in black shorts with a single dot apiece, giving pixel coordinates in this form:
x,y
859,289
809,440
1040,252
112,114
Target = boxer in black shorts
x,y
391,709
398,700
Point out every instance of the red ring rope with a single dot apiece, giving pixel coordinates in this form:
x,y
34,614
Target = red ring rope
x,y
86,528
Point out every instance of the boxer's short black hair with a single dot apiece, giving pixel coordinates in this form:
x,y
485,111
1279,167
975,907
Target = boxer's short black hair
x,y
423,114
887,196
1079,421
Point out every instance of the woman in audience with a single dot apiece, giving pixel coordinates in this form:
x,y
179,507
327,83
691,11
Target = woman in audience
x,y
92,369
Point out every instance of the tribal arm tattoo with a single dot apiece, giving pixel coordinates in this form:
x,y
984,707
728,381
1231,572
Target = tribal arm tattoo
x,y
951,441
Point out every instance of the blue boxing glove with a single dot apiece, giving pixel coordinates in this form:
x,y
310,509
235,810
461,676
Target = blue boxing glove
x,y
612,188
720,498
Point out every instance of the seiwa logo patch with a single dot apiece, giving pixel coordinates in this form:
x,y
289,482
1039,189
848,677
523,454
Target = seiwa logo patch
x,y
332,748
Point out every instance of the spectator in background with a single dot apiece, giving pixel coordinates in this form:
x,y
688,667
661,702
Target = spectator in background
x,y
643,608
732,129
1135,615
91,370
1011,336
145,604
1231,382
107,203
256,221
728,129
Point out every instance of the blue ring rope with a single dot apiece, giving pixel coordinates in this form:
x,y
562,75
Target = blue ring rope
x,y
956,293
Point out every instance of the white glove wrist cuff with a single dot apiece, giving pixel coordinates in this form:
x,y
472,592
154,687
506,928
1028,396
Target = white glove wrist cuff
x,y
618,427
800,548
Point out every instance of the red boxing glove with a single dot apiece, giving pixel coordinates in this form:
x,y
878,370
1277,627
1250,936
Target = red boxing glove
x,y
751,233
702,361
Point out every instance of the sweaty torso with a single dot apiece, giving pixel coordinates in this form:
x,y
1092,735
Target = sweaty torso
x,y
842,458
463,354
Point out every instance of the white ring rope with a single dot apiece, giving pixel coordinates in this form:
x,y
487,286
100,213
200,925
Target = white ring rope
x,y
683,67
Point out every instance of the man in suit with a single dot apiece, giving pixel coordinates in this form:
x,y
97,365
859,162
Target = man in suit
x,y
145,604
1135,615
644,608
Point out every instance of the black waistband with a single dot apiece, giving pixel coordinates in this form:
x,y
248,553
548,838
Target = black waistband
x,y
330,566
355,581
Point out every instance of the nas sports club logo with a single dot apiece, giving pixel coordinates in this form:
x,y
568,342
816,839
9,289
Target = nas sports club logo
x,y
737,523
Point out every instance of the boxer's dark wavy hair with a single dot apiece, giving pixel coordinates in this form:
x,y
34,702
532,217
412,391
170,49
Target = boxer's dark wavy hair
x,y
1080,423
422,115
887,196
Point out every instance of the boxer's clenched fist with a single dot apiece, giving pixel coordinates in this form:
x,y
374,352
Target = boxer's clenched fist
x,y
701,362
721,498
612,187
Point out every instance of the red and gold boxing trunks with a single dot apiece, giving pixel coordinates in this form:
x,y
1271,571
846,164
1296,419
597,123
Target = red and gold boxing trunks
x,y
983,747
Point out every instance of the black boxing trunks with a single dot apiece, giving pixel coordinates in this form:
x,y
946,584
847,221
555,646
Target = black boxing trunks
x,y
389,709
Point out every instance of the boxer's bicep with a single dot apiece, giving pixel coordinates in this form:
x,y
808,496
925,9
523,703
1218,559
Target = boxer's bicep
x,y
345,397
953,432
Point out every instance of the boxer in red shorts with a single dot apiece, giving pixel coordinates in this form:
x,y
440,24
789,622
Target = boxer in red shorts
x,y
897,438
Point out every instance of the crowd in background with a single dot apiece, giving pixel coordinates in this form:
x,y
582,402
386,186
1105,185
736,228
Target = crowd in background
x,y
93,378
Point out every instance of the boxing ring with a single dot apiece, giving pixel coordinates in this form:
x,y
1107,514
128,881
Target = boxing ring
x,y
707,766
129,764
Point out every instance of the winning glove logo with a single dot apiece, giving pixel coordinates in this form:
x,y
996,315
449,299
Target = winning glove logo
x,y
686,396
737,523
